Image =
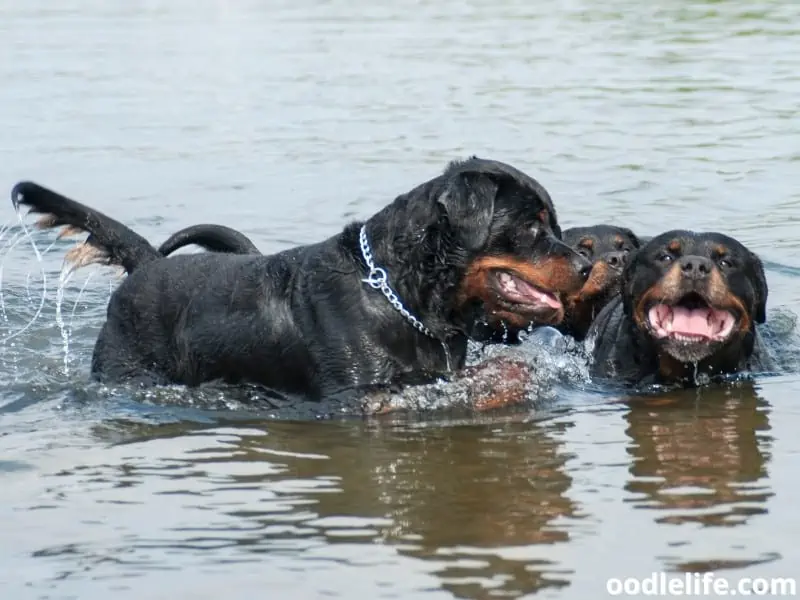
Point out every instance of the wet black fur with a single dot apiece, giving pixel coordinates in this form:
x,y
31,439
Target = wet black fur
x,y
302,321
215,238
623,352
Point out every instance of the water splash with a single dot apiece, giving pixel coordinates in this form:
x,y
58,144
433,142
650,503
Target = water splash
x,y
64,277
26,234
525,376
447,357
5,251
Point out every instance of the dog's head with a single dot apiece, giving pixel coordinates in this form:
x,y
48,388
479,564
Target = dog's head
x,y
609,248
515,264
694,294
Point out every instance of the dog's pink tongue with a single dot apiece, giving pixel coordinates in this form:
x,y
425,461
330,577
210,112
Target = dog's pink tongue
x,y
532,292
691,321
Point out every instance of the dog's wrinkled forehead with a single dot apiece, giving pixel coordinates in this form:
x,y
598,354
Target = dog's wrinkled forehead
x,y
690,243
600,239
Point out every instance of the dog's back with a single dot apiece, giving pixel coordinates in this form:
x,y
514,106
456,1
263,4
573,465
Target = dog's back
x,y
174,319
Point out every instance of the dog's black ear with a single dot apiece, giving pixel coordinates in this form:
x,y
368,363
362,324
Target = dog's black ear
x,y
760,287
468,202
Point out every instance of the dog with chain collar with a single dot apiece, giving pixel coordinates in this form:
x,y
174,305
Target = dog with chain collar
x,y
387,302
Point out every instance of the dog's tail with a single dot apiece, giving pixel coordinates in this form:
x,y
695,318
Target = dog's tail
x,y
109,242
215,238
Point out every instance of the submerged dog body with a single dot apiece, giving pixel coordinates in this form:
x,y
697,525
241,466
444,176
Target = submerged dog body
x,y
609,249
388,301
689,306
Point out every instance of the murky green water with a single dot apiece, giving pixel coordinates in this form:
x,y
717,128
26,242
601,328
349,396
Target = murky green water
x,y
285,119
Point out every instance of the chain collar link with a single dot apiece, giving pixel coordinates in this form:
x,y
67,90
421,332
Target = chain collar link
x,y
378,279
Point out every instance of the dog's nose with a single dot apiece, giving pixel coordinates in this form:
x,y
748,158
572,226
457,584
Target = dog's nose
x,y
615,259
696,267
583,266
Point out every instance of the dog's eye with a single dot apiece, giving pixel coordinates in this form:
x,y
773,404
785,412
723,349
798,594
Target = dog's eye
x,y
724,263
666,258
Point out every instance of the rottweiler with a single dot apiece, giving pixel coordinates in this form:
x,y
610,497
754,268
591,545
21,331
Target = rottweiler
x,y
609,248
687,312
387,302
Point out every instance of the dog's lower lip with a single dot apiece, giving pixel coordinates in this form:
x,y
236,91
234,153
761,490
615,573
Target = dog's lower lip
x,y
515,289
695,325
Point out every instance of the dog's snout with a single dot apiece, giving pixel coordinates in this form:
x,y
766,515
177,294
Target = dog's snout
x,y
582,265
615,259
579,263
696,267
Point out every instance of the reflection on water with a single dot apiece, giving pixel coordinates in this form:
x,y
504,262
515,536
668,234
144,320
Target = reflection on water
x,y
715,458
287,119
701,462
481,508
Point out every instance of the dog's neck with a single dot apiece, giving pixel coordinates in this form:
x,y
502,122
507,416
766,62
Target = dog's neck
x,y
422,275
378,279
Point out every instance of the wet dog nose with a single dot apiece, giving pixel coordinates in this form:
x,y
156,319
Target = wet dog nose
x,y
583,266
615,259
696,267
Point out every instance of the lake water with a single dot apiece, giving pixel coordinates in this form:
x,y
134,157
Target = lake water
x,y
287,119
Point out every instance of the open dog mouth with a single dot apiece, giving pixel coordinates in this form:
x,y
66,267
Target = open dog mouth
x,y
516,290
691,320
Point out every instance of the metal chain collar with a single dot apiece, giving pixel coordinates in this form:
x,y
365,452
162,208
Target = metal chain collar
x,y
379,280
